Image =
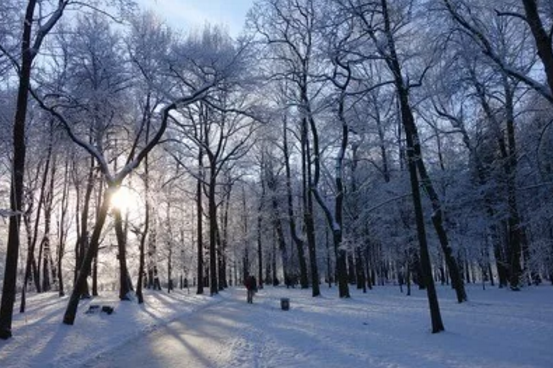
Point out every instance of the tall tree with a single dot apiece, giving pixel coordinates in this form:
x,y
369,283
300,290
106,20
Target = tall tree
x,y
31,43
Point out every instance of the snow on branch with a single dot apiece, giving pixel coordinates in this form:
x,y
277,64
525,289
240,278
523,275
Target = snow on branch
x,y
179,103
87,146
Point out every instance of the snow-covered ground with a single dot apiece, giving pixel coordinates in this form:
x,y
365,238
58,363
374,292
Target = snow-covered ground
x,y
383,328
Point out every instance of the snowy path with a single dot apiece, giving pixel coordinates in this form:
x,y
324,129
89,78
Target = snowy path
x,y
380,329
203,339
232,333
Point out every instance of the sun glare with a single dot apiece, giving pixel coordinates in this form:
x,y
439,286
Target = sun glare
x,y
124,199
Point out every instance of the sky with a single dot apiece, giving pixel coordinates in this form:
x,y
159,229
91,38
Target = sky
x,y
186,14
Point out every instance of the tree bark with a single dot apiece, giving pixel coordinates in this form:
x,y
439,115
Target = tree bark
x,y
223,283
143,237
308,214
32,239
80,283
291,219
199,226
18,172
259,236
48,203
435,315
414,157
212,210
543,40
62,230
125,286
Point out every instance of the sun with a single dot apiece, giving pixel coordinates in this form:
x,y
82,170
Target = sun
x,y
124,199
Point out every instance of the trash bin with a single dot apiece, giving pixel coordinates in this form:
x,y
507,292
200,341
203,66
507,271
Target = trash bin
x,y
285,303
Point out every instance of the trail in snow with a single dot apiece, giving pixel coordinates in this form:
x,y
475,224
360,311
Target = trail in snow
x,y
382,330
233,333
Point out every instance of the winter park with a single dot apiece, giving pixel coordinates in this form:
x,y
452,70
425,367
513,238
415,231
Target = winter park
x,y
276,183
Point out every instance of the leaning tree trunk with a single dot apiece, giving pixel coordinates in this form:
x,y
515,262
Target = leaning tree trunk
x,y
437,221
435,315
541,38
413,158
80,283
82,243
408,119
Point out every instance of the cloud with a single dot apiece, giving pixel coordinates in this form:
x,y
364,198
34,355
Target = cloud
x,y
186,14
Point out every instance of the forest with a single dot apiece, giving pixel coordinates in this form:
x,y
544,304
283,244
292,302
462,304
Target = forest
x,y
334,143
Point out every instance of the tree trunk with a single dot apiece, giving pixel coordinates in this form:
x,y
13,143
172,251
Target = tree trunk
x,y
334,222
48,202
125,286
224,241
414,161
83,240
277,224
437,221
437,324
199,226
212,210
308,214
18,173
143,237
170,269
411,129
291,219
62,231
32,239
146,118
144,233
516,230
259,242
542,39
80,284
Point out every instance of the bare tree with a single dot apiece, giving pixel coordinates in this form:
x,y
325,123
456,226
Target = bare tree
x,y
31,43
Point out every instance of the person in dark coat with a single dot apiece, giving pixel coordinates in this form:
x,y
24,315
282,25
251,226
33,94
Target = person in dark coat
x,y
251,286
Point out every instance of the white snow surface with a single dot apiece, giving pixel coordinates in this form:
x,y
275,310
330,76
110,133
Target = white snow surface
x,y
383,328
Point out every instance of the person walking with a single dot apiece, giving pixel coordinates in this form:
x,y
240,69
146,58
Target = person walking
x,y
251,286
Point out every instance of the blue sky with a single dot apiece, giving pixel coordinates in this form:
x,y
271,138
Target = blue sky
x,y
186,14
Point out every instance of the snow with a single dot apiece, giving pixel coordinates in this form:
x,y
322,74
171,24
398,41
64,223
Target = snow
x,y
383,328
